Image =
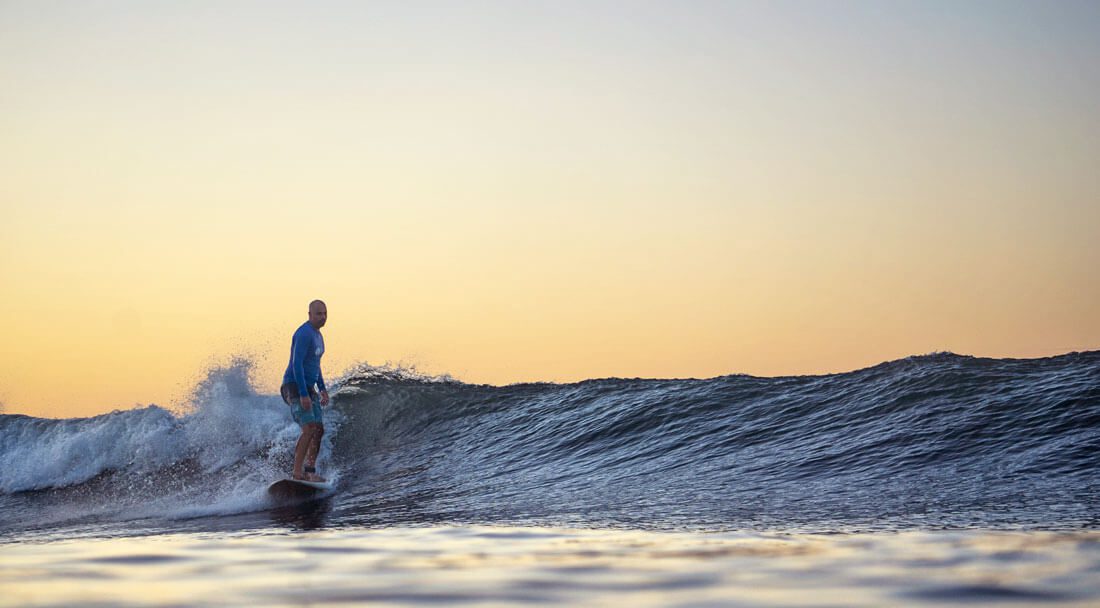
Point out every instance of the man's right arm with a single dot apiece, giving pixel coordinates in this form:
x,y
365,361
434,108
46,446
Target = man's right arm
x,y
298,351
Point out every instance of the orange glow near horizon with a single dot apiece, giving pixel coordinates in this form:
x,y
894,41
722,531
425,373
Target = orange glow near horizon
x,y
537,194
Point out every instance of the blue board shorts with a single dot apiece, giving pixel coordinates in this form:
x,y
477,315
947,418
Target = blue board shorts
x,y
292,397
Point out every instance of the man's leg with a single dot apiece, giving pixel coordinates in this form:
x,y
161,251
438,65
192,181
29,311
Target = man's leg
x,y
300,450
317,430
289,392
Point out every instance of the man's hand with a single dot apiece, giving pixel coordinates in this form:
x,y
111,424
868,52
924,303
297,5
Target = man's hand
x,y
324,398
307,403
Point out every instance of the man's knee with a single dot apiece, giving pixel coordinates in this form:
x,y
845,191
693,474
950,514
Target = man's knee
x,y
315,428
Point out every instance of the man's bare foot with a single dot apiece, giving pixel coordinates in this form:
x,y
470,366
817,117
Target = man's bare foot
x,y
309,477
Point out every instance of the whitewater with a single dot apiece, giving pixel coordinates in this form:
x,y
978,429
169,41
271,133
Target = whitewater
x,y
944,456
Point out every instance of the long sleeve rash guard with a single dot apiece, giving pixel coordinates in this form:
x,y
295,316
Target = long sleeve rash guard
x,y
304,369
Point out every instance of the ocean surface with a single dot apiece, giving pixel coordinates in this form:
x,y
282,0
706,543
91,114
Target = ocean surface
x,y
935,479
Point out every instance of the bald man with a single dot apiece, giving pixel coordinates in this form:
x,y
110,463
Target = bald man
x,y
304,390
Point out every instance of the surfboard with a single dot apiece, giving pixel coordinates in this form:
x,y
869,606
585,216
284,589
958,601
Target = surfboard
x,y
297,488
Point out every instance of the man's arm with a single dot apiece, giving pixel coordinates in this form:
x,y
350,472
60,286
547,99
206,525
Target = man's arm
x,y
299,348
321,387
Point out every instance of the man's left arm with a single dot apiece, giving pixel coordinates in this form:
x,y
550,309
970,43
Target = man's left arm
x,y
321,387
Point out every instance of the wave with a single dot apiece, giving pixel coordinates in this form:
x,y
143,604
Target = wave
x,y
937,440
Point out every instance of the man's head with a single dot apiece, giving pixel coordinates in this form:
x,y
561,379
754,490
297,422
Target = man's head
x,y
318,314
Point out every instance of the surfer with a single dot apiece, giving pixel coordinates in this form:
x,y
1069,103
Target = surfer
x,y
304,390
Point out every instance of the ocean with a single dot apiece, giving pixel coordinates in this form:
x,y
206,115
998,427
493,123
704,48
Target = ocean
x,y
931,480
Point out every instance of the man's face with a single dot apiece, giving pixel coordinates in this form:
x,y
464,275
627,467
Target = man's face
x,y
318,314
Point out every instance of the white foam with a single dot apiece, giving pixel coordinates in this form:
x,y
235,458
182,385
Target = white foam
x,y
39,453
365,373
226,424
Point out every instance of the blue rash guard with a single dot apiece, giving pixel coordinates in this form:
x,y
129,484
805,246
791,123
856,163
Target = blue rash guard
x,y
304,369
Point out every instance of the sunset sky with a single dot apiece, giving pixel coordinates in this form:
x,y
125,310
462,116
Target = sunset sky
x,y
553,191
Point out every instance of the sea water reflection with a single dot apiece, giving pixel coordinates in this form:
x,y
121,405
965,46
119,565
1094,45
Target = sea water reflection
x,y
512,565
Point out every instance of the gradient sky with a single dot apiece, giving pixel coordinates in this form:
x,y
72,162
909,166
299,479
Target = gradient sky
x,y
509,191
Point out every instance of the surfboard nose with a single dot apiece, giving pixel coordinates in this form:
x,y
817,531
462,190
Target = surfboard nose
x,y
294,488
